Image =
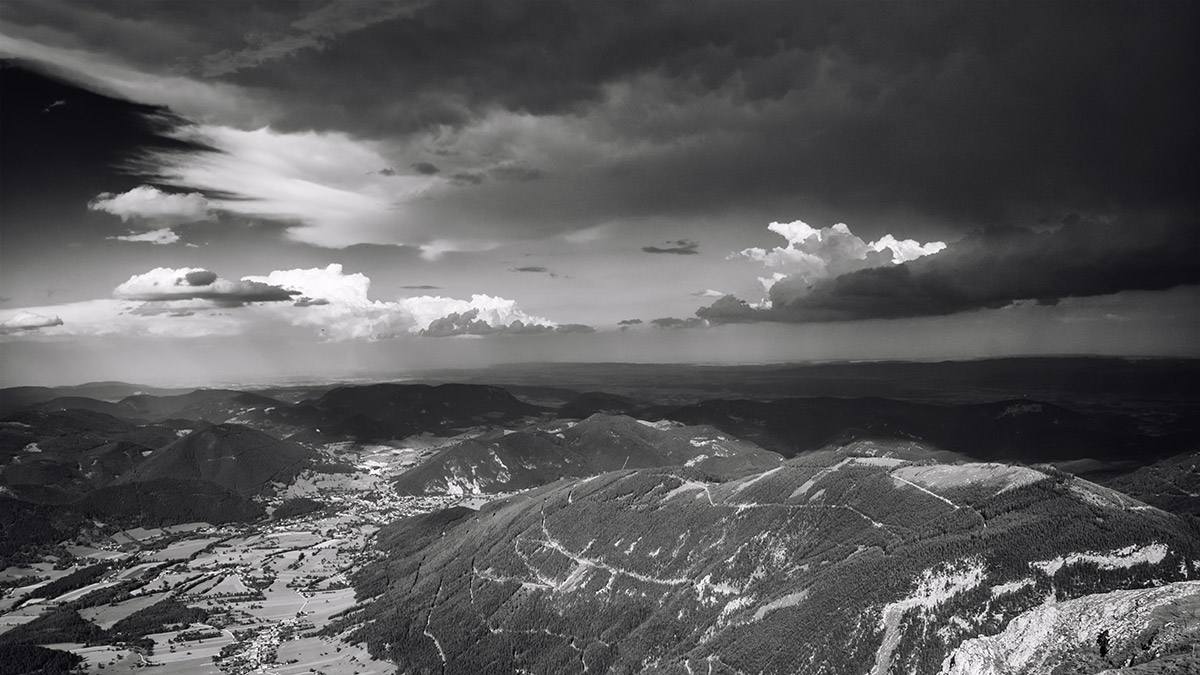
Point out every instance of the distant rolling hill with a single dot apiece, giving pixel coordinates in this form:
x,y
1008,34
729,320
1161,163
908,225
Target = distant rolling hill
x,y
1020,430
235,457
56,457
1172,484
156,503
514,460
212,405
592,402
365,413
824,564
15,399
391,411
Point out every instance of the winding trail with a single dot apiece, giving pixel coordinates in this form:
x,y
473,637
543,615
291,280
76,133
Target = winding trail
x,y
928,492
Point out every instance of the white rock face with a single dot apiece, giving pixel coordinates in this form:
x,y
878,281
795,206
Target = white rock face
x,y
1037,640
1109,560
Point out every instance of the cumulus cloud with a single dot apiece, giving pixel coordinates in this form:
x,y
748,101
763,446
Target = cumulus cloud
x,y
28,321
310,302
148,204
164,283
338,305
677,247
990,269
469,323
813,253
327,302
159,237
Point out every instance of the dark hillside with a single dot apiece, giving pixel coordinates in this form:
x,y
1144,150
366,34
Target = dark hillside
x,y
391,411
1019,430
232,456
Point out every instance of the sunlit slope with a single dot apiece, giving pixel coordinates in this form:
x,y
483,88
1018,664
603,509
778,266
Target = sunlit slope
x,y
825,564
504,461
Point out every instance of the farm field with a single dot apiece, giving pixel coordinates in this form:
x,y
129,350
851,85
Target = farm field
x,y
266,590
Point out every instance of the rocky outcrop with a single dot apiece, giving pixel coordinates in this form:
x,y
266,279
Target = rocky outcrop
x,y
1096,631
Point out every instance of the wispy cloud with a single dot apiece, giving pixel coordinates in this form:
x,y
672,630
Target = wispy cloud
x,y
324,184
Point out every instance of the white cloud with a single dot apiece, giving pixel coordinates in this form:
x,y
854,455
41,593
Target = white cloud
x,y
179,319
768,282
195,283
159,237
327,184
813,254
326,302
147,203
328,283
904,250
27,321
351,314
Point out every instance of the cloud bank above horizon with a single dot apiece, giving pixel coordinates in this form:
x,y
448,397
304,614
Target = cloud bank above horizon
x,y
676,169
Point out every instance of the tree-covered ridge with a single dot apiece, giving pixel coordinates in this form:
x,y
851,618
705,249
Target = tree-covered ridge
x,y
817,564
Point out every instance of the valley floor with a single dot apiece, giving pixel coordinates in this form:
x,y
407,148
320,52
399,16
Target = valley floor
x,y
269,588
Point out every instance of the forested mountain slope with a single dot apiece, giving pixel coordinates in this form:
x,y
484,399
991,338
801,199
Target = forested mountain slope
x,y
824,564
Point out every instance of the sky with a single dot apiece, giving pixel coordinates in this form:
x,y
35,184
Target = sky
x,y
195,192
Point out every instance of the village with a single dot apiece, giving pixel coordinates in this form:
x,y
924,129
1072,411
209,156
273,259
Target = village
x,y
266,590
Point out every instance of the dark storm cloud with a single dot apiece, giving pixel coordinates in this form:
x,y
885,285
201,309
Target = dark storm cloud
x,y
574,328
198,278
629,322
522,174
959,111
421,287
960,114
468,178
425,168
671,323
677,247
305,301
991,269
69,157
